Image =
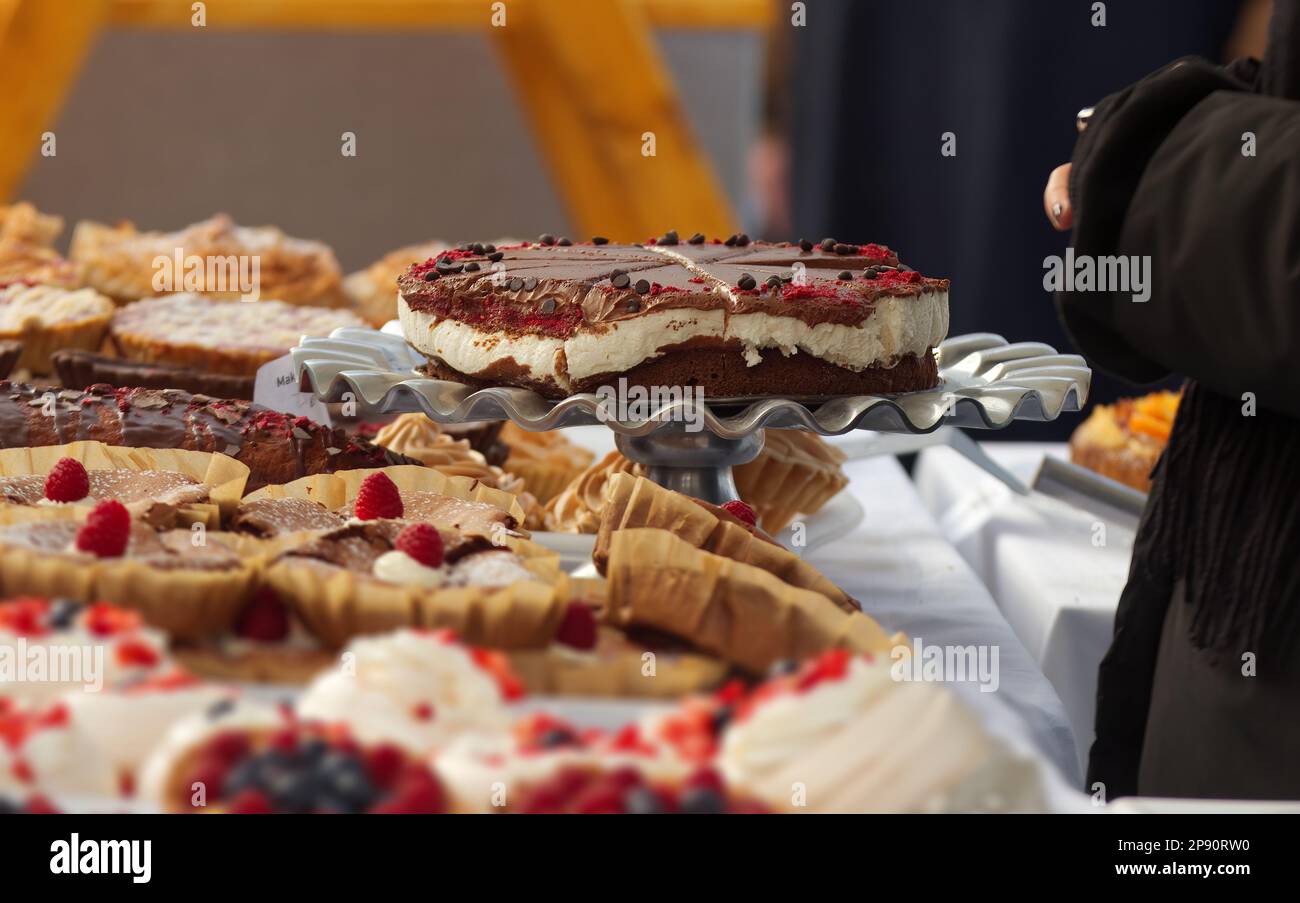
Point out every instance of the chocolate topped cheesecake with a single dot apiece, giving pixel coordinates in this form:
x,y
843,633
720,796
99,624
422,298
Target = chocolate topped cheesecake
x,y
739,318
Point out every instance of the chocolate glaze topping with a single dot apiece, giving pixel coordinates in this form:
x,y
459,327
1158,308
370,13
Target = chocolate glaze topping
x,y
554,290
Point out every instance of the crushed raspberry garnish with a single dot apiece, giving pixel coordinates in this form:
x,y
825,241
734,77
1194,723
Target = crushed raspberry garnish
x,y
106,531
379,497
578,629
67,481
265,620
228,746
24,616
498,666
422,542
737,508
830,665
422,711
419,793
136,654
105,619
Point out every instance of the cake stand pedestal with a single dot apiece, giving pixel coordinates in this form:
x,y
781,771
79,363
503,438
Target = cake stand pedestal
x,y
984,383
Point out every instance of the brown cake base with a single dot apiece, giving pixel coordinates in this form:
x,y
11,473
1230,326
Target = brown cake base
x,y
724,374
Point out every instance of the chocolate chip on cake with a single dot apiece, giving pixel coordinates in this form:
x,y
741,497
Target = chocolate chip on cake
x,y
845,275
620,279
669,237
696,239
548,306
828,244
633,305
599,240
841,248
805,245
547,239
642,286
741,240
530,283
430,275
731,241
746,282
490,249
564,242
773,281
494,256
516,284
471,267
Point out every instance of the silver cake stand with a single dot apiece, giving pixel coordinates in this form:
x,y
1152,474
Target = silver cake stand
x,y
985,383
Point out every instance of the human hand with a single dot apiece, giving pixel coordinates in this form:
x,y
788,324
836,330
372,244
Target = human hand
x,y
1056,199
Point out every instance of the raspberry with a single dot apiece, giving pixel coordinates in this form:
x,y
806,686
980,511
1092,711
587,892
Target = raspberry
x,y
106,531
384,763
132,653
422,542
416,796
24,616
578,629
227,746
211,774
250,802
379,497
265,619
105,619
67,482
737,508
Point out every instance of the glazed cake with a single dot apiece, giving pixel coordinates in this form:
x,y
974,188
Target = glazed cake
x,y
738,318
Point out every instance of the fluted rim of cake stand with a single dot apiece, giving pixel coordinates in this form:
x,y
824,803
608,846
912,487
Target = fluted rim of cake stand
x,y
986,382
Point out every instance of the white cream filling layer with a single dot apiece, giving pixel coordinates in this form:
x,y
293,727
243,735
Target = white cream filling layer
x,y
897,327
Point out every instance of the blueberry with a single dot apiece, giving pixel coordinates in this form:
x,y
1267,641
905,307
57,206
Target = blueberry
x,y
312,749
346,778
293,791
557,736
703,801
63,612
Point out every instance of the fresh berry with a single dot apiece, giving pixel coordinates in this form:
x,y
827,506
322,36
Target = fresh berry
x,y
106,531
67,481
415,796
644,801
497,664
737,508
384,763
133,653
705,779
422,542
105,619
578,629
379,497
422,711
265,620
703,801
250,802
24,616
227,746
210,773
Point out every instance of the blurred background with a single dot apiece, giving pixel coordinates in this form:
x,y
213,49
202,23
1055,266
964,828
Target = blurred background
x,y
475,120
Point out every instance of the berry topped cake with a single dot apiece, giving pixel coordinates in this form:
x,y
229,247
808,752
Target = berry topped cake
x,y
738,318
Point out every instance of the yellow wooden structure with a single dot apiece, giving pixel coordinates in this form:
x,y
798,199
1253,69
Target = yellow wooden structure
x,y
587,73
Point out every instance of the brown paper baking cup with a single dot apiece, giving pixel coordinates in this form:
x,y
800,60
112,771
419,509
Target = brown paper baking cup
x,y
41,342
189,604
337,605
796,473
633,502
736,611
224,476
334,490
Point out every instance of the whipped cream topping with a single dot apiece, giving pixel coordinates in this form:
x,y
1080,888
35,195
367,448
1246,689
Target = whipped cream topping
x,y
413,688
54,757
398,567
783,726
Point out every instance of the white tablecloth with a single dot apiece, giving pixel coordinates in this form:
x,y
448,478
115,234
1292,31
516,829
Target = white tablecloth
x,y
1041,561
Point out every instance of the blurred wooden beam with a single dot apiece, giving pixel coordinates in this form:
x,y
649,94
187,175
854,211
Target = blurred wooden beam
x,y
42,46
594,86
388,14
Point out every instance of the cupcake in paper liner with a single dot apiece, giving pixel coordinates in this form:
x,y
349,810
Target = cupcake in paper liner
x,y
547,461
796,473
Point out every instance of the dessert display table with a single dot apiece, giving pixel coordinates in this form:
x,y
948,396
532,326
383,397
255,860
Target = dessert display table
x,y
909,578
1037,556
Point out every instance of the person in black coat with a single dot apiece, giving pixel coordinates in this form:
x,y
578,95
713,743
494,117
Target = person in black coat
x,y
1198,168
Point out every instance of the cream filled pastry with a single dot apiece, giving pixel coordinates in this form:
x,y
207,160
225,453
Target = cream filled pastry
x,y
420,689
49,647
734,318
